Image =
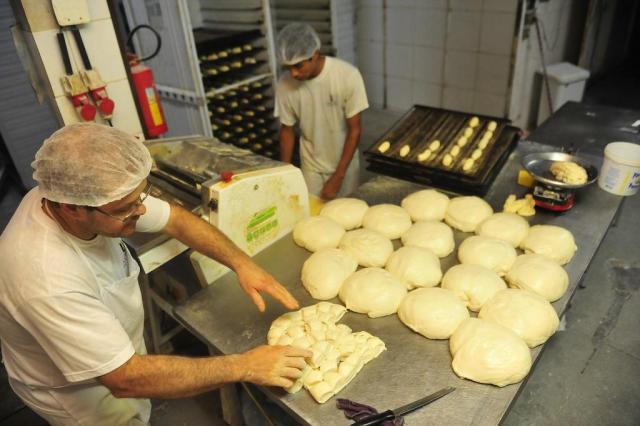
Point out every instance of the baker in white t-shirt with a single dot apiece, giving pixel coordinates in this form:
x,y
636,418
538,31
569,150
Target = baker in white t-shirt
x,y
325,97
71,316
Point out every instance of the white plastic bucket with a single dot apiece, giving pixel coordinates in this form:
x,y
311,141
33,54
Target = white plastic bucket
x,y
620,173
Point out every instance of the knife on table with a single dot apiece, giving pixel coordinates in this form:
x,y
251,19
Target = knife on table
x,y
405,409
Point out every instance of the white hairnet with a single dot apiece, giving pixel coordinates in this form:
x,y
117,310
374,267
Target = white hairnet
x,y
296,42
89,164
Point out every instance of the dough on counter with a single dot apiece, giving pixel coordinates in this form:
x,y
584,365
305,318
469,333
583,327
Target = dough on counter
x,y
433,235
525,313
388,219
433,312
325,270
348,212
491,253
473,284
487,352
373,291
569,172
415,266
369,248
504,226
427,204
317,232
552,241
465,213
540,275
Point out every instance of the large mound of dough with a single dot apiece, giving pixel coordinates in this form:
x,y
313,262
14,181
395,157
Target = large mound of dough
x,y
373,291
528,315
325,270
317,232
491,253
348,212
473,284
427,204
487,352
369,248
465,213
432,235
415,266
388,219
433,312
540,275
509,227
552,241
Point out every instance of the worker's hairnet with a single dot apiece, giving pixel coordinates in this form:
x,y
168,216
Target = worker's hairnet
x,y
296,42
89,164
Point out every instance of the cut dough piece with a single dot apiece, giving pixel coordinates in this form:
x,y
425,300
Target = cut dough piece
x,y
474,121
405,150
486,352
447,160
455,150
465,213
427,204
384,147
434,145
468,132
373,291
552,241
483,143
462,141
528,315
348,212
473,284
491,253
415,266
388,219
492,126
468,164
325,270
424,155
369,248
432,235
504,226
477,153
433,312
540,275
318,232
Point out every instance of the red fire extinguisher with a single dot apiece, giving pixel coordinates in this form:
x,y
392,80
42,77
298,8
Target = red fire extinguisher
x,y
146,93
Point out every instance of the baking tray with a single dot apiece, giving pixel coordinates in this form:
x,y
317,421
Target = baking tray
x,y
420,126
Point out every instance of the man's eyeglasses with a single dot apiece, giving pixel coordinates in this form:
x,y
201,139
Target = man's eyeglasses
x,y
123,217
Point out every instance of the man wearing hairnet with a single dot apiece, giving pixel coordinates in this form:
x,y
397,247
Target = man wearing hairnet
x,y
325,97
71,316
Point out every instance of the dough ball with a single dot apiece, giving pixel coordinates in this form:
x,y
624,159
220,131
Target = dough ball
x,y
540,275
492,253
318,232
427,204
465,213
415,266
369,248
433,312
487,352
509,227
432,235
528,315
552,241
348,212
325,270
473,284
388,219
373,291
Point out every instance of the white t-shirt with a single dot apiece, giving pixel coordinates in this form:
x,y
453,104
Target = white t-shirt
x,y
321,106
63,319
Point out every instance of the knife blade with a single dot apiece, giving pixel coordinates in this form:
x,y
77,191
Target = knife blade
x,y
405,409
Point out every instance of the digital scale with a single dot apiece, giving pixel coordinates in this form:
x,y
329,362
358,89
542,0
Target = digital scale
x,y
549,193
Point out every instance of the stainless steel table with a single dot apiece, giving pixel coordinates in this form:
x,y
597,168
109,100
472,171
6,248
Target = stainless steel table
x,y
224,318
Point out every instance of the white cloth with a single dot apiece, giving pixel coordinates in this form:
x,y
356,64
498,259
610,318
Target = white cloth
x,y
321,106
70,311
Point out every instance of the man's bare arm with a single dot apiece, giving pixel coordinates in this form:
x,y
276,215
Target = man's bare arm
x,y
287,142
334,183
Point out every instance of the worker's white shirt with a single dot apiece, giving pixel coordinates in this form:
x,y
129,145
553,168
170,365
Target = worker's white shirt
x,y
70,311
321,106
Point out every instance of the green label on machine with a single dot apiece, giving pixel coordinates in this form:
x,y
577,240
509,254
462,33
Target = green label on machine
x,y
262,227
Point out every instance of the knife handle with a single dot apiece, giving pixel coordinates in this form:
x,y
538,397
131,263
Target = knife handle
x,y
375,419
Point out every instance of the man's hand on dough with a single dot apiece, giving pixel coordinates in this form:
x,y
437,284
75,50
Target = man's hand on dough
x,y
331,187
274,365
255,280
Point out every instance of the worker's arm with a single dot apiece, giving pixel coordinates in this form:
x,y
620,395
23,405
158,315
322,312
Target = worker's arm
x,y
287,142
166,377
334,183
208,240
